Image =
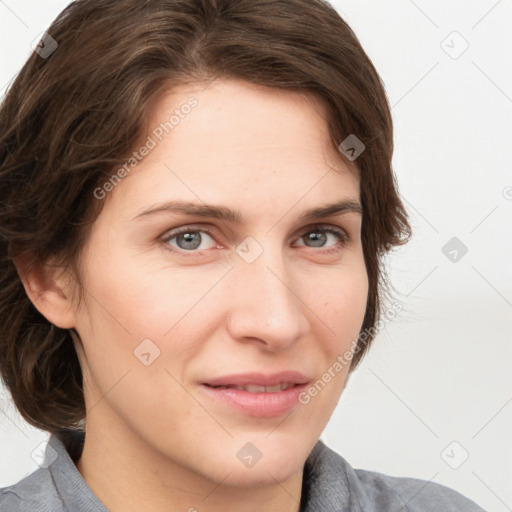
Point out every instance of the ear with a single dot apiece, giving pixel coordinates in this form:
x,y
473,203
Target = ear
x,y
48,286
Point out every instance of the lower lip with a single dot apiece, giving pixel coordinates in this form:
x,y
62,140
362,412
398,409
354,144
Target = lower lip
x,y
257,404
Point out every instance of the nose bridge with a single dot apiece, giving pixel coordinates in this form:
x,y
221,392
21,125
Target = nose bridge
x,y
265,304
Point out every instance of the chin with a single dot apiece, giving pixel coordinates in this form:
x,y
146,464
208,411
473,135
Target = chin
x,y
273,460
264,473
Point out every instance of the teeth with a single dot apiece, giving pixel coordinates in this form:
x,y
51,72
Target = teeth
x,y
254,388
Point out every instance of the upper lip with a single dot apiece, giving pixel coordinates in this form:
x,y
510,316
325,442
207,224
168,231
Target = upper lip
x,y
260,379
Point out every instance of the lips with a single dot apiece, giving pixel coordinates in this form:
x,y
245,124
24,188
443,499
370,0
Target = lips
x,y
257,394
250,381
255,388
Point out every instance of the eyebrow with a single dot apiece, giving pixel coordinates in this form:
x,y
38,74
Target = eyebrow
x,y
226,214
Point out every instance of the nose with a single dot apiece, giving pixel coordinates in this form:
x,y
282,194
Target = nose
x,y
265,303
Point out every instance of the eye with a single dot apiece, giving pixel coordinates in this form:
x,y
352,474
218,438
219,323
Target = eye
x,y
188,240
318,236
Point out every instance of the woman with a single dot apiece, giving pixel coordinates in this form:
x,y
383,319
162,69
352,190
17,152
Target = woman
x,y
196,199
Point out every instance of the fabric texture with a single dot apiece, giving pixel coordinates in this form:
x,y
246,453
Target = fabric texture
x,y
330,484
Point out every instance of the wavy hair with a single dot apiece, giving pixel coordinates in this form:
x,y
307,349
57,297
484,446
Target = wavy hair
x,y
70,118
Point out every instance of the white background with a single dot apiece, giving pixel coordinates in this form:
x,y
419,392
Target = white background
x,y
440,372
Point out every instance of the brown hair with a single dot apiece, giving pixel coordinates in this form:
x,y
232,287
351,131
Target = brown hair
x,y
69,119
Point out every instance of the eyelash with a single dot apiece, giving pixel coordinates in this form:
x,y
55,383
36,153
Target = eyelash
x,y
340,233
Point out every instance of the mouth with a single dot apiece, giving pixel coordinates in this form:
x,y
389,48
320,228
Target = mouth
x,y
255,394
263,380
255,388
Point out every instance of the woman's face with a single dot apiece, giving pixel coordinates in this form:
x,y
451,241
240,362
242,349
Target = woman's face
x,y
167,315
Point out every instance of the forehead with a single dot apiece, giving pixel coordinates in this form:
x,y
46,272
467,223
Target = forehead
x,y
240,143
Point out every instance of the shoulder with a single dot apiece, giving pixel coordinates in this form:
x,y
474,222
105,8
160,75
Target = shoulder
x,y
35,493
333,484
414,495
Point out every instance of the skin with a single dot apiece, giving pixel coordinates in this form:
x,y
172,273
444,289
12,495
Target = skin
x,y
154,441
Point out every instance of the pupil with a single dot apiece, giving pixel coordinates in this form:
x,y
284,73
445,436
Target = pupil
x,y
189,239
318,240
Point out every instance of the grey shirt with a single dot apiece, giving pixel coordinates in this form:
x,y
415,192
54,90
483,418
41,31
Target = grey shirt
x,y
330,484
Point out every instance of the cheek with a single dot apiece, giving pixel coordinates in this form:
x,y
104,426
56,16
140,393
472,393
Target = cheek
x,y
134,298
148,296
127,357
140,314
341,302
